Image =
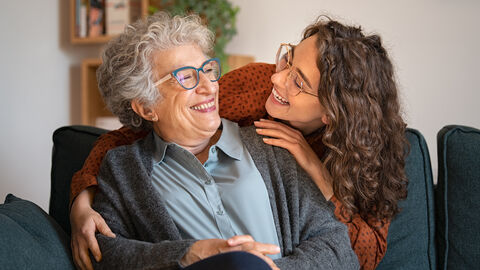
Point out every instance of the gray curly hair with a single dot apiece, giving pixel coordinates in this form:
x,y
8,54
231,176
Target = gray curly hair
x,y
126,72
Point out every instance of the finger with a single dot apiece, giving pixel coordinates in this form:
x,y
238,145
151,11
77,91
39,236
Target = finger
x,y
260,247
278,134
84,258
78,259
291,147
277,125
239,239
103,228
75,256
94,248
267,259
266,248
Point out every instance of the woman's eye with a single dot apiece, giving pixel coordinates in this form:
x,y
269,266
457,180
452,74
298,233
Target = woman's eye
x,y
298,83
285,59
183,78
208,70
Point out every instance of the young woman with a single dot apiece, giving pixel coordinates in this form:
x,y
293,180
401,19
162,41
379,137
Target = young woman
x,y
336,95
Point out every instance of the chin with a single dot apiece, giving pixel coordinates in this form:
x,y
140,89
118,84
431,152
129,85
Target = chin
x,y
272,110
214,124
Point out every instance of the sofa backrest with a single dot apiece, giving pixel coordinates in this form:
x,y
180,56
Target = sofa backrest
x,y
411,236
410,242
457,197
71,145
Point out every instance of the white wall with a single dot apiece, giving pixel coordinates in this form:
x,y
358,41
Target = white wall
x,y
39,92
433,44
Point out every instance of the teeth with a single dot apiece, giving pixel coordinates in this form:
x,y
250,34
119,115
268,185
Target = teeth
x,y
278,97
204,106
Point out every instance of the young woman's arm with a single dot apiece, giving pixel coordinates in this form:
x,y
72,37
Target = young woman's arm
x,y
368,238
86,177
83,219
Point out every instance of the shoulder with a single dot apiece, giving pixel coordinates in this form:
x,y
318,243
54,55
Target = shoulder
x,y
126,156
253,141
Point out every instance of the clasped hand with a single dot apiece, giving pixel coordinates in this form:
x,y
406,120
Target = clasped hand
x,y
209,247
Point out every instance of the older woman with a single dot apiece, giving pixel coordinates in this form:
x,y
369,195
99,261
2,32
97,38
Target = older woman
x,y
198,185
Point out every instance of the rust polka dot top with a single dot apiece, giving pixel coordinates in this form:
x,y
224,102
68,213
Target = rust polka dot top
x,y
242,97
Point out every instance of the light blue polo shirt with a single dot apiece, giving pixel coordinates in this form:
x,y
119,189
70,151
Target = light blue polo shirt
x,y
222,198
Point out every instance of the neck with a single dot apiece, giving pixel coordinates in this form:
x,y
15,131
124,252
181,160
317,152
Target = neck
x,y
193,145
306,128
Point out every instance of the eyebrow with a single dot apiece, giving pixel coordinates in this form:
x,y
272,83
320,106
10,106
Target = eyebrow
x,y
300,71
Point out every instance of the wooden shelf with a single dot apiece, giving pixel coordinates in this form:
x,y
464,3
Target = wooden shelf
x,y
92,104
100,39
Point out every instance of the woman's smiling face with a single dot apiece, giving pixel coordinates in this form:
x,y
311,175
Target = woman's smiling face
x,y
185,116
302,111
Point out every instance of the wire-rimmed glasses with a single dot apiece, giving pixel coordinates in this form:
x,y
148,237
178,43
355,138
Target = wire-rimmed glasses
x,y
284,61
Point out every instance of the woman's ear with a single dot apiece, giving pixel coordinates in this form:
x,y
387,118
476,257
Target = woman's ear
x,y
145,112
326,119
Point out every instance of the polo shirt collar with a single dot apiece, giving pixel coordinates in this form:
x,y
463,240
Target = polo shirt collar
x,y
230,142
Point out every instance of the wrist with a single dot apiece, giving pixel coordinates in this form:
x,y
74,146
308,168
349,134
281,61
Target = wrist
x,y
322,179
189,256
84,198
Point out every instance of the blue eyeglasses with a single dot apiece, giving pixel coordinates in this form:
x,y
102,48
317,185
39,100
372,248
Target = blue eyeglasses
x,y
189,77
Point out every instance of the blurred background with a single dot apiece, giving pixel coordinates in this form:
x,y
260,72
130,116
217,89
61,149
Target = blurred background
x,y
433,44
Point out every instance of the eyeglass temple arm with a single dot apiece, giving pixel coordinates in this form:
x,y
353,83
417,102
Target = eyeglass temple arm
x,y
162,80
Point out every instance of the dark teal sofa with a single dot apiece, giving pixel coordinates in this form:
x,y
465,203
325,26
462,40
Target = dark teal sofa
x,y
438,227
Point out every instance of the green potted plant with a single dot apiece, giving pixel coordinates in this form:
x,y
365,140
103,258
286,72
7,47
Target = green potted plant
x,y
219,15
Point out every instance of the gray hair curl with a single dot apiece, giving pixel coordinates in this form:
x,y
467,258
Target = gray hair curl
x,y
126,72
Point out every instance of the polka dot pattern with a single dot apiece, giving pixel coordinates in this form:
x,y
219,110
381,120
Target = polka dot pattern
x,y
242,97
368,238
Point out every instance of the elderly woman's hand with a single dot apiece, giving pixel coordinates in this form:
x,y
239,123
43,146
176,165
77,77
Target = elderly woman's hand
x,y
291,139
209,247
85,222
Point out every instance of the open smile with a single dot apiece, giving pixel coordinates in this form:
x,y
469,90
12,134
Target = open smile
x,y
277,97
206,106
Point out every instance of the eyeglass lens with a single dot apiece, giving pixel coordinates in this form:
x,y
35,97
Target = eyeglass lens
x,y
189,77
284,58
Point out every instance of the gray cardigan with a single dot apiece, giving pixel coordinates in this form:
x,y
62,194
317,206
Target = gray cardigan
x,y
309,235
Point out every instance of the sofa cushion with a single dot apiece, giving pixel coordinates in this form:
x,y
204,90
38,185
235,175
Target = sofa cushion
x,y
458,197
71,146
30,239
411,236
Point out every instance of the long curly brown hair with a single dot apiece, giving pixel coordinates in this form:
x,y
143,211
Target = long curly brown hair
x,y
365,136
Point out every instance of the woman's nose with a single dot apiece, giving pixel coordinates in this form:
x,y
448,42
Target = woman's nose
x,y
205,86
279,78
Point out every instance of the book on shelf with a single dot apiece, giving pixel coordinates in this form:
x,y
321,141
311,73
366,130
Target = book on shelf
x,y
104,17
117,13
96,20
81,12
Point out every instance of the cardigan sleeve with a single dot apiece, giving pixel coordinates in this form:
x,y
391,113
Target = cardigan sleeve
x,y
322,239
140,242
368,238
